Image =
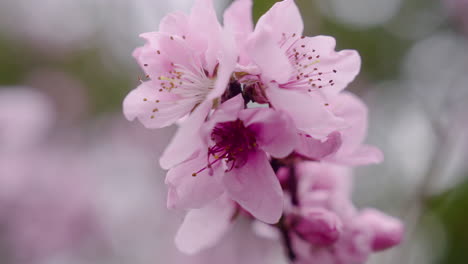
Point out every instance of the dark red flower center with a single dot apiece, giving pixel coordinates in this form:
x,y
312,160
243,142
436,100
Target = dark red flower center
x,y
232,143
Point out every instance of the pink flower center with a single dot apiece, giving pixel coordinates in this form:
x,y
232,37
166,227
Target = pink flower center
x,y
188,81
306,61
232,143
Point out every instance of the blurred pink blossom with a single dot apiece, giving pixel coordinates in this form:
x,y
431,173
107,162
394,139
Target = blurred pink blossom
x,y
325,189
26,116
458,10
45,190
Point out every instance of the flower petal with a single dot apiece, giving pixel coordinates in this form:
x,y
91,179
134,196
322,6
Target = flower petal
x,y
227,63
309,112
354,112
154,109
315,149
227,111
275,130
352,152
238,17
175,23
255,187
203,228
363,155
162,51
340,68
187,139
283,17
205,32
238,20
187,191
265,52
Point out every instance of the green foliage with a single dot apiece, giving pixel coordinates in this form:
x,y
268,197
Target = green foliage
x,y
381,51
452,210
261,6
106,90
14,62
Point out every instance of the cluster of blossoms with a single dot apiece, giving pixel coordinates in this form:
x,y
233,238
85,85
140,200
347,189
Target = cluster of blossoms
x,y
265,131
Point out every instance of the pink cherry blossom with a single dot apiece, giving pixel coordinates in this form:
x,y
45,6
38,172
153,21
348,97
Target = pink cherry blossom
x,y
188,62
233,159
300,63
280,163
291,66
335,231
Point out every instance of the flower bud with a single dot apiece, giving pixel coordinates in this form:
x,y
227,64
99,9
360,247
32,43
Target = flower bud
x,y
317,226
388,231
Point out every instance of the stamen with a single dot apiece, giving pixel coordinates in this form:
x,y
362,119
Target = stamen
x,y
232,144
303,61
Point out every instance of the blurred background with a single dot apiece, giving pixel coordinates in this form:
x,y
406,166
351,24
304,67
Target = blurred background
x,y
87,187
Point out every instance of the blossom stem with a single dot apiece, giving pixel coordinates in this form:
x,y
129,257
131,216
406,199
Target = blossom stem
x,y
292,182
286,240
